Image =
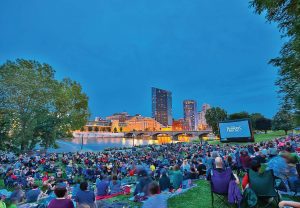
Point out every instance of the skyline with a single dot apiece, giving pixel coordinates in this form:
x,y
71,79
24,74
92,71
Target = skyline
x,y
212,53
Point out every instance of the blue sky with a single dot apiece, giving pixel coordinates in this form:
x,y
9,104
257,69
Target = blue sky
x,y
215,52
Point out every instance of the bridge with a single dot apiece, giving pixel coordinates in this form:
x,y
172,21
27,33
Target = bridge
x,y
173,134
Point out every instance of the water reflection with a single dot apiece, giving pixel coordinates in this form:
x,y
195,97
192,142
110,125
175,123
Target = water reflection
x,y
98,144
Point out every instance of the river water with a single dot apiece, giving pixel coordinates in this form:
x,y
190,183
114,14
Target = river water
x,y
98,144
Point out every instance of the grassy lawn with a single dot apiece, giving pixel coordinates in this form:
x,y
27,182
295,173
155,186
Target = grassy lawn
x,y
269,136
196,197
258,137
200,197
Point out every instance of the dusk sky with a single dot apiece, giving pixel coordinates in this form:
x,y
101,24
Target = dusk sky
x,y
215,52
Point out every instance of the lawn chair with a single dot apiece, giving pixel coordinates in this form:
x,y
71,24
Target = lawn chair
x,y
219,186
263,184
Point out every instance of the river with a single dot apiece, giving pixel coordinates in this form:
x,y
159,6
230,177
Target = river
x,y
97,144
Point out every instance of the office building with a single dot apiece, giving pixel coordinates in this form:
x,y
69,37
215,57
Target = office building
x,y
162,106
202,120
190,114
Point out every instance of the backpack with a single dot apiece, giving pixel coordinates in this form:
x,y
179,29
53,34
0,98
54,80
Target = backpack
x,y
249,198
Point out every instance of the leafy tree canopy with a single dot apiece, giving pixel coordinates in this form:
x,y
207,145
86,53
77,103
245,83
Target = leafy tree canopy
x,y
263,124
213,116
37,108
286,13
283,120
239,115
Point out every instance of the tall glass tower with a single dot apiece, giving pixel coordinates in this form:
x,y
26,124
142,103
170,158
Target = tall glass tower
x,y
162,106
190,114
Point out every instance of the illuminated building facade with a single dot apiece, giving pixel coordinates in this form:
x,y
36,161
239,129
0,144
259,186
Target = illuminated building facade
x,y
190,114
162,106
140,123
178,125
122,117
98,125
202,120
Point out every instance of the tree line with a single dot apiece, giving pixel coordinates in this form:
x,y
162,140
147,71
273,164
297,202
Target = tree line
x,y
286,14
36,108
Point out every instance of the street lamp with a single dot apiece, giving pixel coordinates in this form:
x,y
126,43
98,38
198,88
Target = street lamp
x,y
81,141
133,139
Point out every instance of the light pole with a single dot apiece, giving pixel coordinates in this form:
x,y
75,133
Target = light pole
x,y
81,141
133,139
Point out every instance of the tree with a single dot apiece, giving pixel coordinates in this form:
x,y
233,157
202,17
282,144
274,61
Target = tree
x,y
283,120
286,14
263,124
254,117
41,108
213,116
297,112
239,115
115,130
5,123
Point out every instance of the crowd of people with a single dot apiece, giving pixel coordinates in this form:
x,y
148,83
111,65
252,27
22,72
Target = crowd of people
x,y
152,172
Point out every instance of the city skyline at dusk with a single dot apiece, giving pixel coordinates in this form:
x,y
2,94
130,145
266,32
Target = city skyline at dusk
x,y
213,53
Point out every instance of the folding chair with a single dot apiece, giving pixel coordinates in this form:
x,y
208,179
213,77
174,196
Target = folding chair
x,y
219,187
263,184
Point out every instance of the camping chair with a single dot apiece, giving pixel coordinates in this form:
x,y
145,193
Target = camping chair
x,y
219,186
263,184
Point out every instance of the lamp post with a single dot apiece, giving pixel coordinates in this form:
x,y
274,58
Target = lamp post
x,y
133,139
81,141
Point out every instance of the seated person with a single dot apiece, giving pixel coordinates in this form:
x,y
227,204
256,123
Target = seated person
x,y
155,198
33,194
201,168
85,196
220,168
61,200
193,174
255,166
2,203
18,194
164,181
143,183
185,166
177,177
102,186
115,185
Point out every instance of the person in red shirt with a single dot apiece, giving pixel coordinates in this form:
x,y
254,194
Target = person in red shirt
x,y
255,166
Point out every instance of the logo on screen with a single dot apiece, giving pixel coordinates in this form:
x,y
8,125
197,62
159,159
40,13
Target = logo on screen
x,y
234,129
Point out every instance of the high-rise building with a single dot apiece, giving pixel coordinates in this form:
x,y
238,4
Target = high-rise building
x,y
202,120
162,106
190,114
